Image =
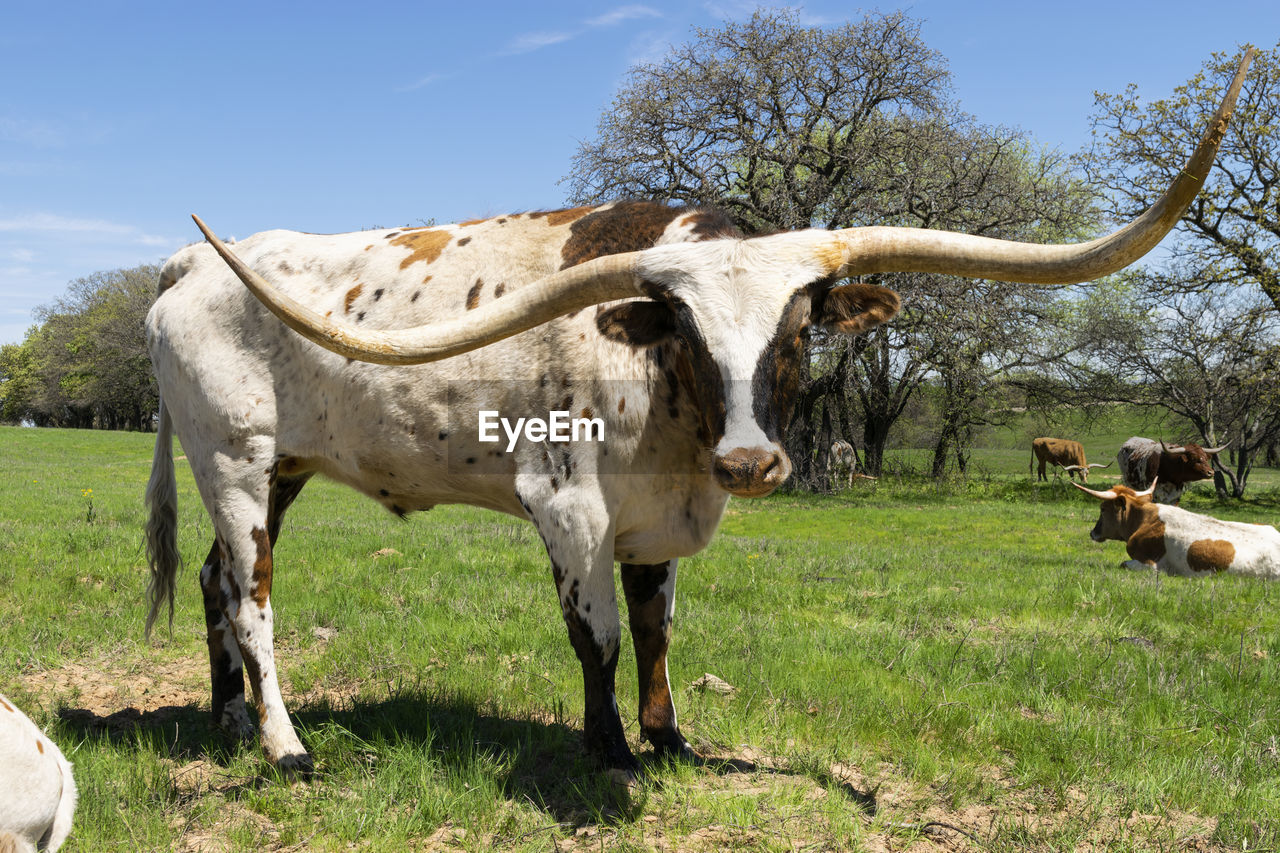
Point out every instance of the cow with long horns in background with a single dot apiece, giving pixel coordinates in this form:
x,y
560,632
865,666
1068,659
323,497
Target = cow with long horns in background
x,y
682,337
1144,462
1066,454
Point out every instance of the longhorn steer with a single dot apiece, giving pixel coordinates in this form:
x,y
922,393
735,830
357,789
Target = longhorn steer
x,y
1143,462
693,375
1178,542
37,791
1066,454
841,460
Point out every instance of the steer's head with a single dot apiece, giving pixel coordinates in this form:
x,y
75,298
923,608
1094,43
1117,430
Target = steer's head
x,y
740,309
741,305
1123,511
1183,463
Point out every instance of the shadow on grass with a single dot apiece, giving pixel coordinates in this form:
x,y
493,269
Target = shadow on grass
x,y
542,762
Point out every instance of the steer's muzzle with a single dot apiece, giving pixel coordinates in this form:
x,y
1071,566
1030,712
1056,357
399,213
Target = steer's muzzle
x,y
752,472
1096,533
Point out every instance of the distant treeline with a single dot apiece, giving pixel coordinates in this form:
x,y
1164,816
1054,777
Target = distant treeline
x,y
85,363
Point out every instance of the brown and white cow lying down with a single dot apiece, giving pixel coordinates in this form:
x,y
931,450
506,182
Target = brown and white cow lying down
x,y
37,793
1179,542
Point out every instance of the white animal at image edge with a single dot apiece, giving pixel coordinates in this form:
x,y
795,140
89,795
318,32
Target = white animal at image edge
x,y
37,791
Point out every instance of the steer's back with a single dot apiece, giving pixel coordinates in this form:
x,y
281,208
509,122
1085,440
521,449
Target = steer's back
x,y
1196,544
231,373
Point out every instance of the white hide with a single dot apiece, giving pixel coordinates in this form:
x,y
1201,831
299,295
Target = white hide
x,y
37,792
1257,546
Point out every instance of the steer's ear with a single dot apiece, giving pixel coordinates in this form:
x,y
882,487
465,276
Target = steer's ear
x,y
639,324
853,308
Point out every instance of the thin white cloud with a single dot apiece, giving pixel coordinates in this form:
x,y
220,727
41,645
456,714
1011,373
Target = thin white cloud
x,y
424,82
623,13
52,222
530,42
37,134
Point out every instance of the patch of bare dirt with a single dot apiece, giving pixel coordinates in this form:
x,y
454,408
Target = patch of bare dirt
x,y
800,808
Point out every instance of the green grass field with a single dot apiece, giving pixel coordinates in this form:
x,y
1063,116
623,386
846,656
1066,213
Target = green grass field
x,y
916,666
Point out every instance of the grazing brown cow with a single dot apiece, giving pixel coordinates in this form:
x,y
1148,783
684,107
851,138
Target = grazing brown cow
x,y
1063,452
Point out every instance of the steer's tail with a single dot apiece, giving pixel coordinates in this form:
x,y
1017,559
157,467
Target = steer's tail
x,y
162,523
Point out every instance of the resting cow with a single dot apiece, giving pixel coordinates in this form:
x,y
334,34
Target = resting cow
x,y
684,338
37,792
1179,542
1144,462
1066,454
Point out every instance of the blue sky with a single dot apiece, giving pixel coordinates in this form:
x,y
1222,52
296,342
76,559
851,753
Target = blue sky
x,y
119,119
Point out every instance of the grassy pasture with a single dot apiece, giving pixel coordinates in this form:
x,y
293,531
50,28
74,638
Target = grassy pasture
x,y
916,667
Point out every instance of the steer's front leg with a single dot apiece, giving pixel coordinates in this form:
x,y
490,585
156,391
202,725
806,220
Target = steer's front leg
x,y
579,541
590,607
651,591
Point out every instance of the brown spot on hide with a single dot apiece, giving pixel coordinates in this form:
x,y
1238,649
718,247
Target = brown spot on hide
x,y
631,226
622,404
638,324
464,241
415,296
352,295
424,245
39,747
473,295
776,381
292,465
7,706
377,294
1210,555
561,217
588,413
1146,545
500,289
261,567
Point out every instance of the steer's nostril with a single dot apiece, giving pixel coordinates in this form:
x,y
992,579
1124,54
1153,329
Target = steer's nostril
x,y
750,472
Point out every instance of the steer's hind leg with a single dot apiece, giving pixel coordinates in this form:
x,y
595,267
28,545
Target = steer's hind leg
x,y
650,591
242,518
226,667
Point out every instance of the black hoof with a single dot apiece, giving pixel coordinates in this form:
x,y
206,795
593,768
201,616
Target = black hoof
x,y
298,767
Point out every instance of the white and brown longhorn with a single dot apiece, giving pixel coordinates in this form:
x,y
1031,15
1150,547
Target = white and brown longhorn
x,y
1179,542
1143,462
37,790
683,336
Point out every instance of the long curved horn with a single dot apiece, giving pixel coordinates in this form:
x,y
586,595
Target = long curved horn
x,y
1214,451
1069,467
876,249
1172,448
1148,490
1098,465
1102,496
600,280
